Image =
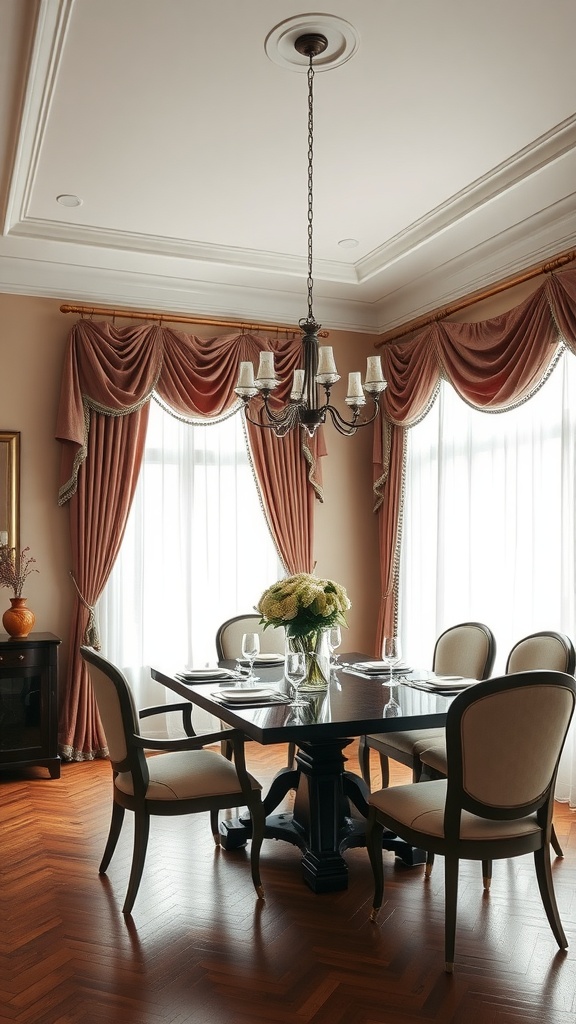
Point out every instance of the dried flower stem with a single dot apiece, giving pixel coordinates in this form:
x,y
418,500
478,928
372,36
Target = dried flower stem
x,y
15,568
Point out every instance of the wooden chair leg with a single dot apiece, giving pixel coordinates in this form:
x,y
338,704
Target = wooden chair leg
x,y
141,832
487,873
364,759
429,864
215,826
555,844
258,817
113,835
374,833
291,755
546,887
226,748
451,904
385,771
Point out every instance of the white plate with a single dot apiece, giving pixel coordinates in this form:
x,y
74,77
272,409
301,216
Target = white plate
x,y
263,659
207,673
245,693
446,683
379,668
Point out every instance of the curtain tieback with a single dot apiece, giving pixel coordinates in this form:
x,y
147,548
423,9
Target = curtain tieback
x,y
91,633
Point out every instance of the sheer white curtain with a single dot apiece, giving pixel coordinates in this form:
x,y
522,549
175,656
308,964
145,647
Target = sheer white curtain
x,y
197,550
489,525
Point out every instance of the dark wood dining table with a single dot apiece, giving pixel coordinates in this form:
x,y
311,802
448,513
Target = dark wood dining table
x,y
330,803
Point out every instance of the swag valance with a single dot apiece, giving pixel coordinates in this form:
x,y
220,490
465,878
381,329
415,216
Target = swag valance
x,y
109,377
494,365
114,371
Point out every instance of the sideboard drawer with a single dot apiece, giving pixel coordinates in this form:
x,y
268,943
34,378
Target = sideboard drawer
x,y
21,657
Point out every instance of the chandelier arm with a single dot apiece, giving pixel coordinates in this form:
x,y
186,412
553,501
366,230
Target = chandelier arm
x,y
286,419
287,414
351,426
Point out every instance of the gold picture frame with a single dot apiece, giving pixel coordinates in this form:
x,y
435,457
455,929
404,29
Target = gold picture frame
x,y
10,488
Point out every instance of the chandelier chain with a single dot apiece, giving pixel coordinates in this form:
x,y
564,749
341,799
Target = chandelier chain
x,y
305,408
310,283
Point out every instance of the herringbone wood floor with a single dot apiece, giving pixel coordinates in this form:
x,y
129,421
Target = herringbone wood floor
x,y
200,949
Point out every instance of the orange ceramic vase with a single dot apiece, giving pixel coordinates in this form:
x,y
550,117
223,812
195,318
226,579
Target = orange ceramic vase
x,y
18,620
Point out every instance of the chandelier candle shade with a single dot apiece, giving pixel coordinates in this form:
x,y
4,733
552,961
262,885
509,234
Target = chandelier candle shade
x,y
319,370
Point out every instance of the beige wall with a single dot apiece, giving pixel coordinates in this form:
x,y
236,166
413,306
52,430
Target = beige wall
x,y
346,539
33,336
32,343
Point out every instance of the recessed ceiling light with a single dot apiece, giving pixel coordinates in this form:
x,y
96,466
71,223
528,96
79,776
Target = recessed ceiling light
x,y
348,243
68,200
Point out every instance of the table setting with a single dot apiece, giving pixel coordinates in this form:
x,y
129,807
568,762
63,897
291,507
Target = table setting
x,y
249,696
209,675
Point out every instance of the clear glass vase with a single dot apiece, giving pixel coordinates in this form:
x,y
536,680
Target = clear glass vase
x,y
317,651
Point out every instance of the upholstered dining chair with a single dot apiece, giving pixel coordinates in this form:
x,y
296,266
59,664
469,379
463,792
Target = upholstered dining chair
x,y
544,650
229,637
468,650
184,778
229,645
486,808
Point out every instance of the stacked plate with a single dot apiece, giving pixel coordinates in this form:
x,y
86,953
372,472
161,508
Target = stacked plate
x,y
208,675
443,684
249,695
379,668
263,660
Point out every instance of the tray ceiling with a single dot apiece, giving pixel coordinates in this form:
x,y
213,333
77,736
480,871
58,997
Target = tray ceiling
x,y
445,147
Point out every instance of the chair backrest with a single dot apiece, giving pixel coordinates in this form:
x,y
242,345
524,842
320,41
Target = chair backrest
x,y
504,737
229,636
118,713
543,650
468,649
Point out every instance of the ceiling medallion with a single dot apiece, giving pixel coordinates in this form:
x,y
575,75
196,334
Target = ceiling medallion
x,y
341,41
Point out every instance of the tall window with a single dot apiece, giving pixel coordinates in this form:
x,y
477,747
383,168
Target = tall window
x,y
489,524
197,550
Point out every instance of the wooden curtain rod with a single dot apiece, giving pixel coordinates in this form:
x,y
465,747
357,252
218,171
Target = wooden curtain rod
x,y
182,318
474,297
394,335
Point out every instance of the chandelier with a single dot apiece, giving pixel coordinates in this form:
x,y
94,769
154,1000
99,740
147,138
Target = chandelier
x,y
305,408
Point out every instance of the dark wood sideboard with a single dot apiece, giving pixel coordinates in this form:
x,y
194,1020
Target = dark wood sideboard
x,y
29,702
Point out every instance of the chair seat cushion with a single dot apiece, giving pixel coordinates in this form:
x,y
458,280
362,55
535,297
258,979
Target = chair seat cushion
x,y
186,775
405,741
433,754
420,806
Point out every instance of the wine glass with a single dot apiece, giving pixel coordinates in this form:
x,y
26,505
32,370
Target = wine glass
x,y
392,709
391,653
334,641
250,649
295,668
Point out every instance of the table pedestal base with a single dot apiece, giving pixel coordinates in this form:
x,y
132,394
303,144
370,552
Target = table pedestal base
x,y
323,823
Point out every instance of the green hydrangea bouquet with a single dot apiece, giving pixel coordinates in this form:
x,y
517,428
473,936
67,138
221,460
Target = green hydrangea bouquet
x,y
306,607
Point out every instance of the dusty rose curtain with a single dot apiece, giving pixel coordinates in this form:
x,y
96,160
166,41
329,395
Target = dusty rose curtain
x,y
291,460
493,365
109,376
98,513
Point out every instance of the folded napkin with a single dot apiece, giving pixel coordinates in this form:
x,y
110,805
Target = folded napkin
x,y
263,659
379,668
442,684
249,696
204,675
